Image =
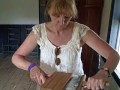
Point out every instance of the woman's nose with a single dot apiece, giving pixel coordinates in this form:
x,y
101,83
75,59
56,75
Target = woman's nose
x,y
61,20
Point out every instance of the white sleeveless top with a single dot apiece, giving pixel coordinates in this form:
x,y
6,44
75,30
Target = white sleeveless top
x,y
70,54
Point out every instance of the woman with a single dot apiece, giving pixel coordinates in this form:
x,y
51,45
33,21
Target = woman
x,y
61,42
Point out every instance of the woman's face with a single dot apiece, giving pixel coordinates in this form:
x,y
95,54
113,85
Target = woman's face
x,y
60,21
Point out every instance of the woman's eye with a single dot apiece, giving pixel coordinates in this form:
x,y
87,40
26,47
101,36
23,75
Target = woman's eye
x,y
66,17
55,16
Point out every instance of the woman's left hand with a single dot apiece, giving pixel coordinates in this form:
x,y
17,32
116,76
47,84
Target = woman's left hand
x,y
97,81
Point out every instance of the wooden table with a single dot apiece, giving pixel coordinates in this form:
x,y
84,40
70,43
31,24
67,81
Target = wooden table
x,y
64,81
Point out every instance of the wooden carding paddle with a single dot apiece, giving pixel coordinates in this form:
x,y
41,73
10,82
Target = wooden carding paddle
x,y
82,82
57,81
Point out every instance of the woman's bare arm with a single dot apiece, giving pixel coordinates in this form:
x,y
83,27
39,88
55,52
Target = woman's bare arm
x,y
98,81
25,49
100,46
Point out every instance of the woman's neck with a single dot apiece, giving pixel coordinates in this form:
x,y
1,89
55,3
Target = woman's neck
x,y
53,28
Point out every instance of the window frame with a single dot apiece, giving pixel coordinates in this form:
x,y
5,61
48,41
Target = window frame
x,y
112,37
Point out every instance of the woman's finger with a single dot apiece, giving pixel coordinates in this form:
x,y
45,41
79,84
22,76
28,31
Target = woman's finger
x,y
43,79
39,79
49,75
97,88
88,85
102,84
34,79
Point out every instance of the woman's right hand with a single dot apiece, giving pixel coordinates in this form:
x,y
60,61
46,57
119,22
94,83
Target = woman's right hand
x,y
38,75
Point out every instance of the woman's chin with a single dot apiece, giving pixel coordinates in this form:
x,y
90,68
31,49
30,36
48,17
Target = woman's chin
x,y
59,27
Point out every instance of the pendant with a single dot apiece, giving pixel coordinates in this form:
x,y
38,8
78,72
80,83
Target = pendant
x,y
57,61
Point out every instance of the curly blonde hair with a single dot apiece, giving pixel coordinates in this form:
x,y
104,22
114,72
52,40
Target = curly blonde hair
x,y
66,7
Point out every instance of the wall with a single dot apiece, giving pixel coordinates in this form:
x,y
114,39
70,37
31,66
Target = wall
x,y
105,19
103,35
19,12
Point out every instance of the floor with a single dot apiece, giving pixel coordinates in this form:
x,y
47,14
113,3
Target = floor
x,y
12,78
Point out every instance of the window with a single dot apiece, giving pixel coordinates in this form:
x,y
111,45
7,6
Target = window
x,y
117,70
114,34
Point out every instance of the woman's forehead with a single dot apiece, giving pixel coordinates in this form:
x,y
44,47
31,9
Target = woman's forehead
x,y
60,12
